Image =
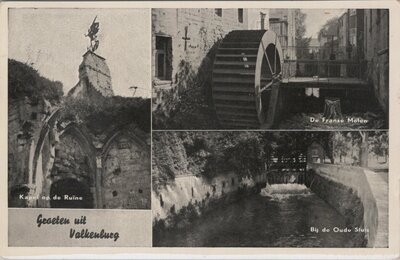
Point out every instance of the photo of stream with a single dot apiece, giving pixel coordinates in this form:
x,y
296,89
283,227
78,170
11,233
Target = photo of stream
x,y
270,189
262,220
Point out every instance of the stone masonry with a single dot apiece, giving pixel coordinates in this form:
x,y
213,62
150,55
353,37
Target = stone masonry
x,y
201,27
48,153
94,74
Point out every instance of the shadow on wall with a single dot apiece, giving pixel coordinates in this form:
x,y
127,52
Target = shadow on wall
x,y
71,193
191,106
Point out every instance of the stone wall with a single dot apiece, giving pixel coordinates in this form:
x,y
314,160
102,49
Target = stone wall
x,y
71,161
94,74
376,48
52,152
25,119
189,190
204,28
126,180
345,201
349,191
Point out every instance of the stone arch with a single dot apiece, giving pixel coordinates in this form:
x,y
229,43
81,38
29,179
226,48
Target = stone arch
x,y
43,158
74,163
126,178
44,135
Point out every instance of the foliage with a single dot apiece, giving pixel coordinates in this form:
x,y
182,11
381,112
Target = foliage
x,y
246,157
211,153
379,143
301,41
25,81
300,18
329,28
347,145
113,111
189,104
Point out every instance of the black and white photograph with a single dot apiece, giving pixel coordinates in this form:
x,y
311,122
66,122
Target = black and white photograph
x,y
298,69
270,189
79,108
208,129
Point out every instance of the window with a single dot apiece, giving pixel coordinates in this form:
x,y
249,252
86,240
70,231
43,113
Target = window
x,y
163,58
240,15
218,11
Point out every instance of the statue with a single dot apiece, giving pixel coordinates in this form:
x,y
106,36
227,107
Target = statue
x,y
92,34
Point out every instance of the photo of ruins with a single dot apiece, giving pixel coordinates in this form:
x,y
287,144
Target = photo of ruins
x,y
199,127
78,109
270,68
270,189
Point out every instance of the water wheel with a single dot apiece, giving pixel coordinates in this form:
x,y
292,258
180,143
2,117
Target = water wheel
x,y
247,69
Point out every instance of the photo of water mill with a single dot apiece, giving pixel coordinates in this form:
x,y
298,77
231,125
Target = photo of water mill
x,y
264,128
78,117
270,68
270,189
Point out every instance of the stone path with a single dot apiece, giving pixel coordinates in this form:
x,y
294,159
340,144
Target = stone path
x,y
379,186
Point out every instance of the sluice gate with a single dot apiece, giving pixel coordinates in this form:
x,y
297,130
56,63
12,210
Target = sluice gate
x,y
287,170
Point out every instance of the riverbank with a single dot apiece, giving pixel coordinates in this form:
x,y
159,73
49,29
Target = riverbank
x,y
289,216
344,200
188,200
178,202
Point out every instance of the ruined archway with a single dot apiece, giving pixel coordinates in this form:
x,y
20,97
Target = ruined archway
x,y
126,172
74,164
70,193
64,150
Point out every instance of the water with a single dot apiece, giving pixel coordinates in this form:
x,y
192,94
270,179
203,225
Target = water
x,y
282,215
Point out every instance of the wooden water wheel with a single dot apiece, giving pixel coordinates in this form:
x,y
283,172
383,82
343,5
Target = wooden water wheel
x,y
247,69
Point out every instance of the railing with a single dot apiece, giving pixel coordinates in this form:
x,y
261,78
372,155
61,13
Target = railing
x,y
294,164
323,62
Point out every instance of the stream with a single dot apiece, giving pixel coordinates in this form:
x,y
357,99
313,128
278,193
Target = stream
x,y
281,215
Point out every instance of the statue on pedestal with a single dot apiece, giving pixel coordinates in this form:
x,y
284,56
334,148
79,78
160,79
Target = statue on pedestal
x,y
92,34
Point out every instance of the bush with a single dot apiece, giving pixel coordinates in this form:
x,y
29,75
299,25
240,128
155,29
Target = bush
x,y
116,110
25,81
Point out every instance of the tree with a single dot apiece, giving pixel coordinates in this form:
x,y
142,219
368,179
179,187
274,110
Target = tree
x,y
364,149
329,28
379,144
300,18
340,146
302,42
